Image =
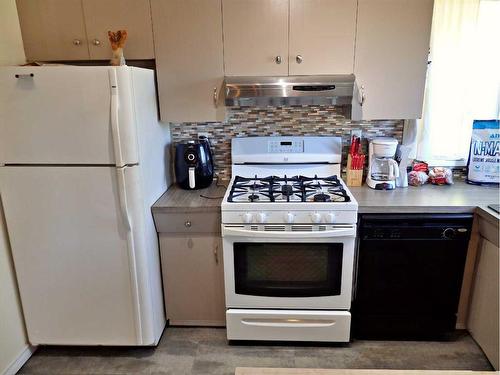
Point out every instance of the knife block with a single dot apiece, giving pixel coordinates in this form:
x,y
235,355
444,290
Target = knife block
x,y
354,176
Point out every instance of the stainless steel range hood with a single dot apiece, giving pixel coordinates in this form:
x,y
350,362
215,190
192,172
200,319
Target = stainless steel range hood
x,y
289,90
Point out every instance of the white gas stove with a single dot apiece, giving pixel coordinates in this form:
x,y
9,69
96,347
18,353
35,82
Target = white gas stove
x,y
289,225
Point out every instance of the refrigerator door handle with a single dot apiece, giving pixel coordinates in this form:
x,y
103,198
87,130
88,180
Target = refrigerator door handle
x,y
115,126
122,196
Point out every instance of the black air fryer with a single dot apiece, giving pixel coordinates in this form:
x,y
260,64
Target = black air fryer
x,y
194,168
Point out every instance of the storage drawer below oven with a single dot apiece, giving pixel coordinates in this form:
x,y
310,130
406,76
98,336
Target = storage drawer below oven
x,y
288,325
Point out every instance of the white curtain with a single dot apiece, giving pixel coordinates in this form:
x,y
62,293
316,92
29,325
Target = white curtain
x,y
463,79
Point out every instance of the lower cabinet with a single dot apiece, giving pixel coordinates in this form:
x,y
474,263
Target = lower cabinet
x,y
484,303
193,278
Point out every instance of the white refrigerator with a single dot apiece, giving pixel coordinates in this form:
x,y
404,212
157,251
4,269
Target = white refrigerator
x,y
82,159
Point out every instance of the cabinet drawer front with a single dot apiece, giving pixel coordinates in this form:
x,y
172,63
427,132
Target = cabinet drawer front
x,y
188,223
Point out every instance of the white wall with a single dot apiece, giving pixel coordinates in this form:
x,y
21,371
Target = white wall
x,y
14,348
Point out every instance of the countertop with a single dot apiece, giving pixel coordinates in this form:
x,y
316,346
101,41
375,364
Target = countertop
x,y
178,200
457,198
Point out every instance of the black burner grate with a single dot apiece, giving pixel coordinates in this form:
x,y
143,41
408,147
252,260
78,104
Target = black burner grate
x,y
288,189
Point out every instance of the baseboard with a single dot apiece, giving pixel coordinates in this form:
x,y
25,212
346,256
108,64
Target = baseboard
x,y
21,359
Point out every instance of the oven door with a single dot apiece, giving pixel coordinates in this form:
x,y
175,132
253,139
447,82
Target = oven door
x,y
288,269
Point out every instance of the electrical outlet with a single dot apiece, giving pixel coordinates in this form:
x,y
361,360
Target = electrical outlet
x,y
356,132
206,135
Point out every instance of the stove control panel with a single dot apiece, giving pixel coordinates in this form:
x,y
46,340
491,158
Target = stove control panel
x,y
289,217
291,146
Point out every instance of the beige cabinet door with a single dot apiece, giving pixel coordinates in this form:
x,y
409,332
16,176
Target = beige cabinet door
x,y
322,35
193,279
189,59
53,30
255,37
484,306
134,16
392,46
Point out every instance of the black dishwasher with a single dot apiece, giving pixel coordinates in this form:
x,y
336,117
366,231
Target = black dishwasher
x,y
409,275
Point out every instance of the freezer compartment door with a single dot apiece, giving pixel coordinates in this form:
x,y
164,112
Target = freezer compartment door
x,y
72,255
67,115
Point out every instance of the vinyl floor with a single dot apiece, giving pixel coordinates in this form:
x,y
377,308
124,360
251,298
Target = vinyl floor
x,y
206,351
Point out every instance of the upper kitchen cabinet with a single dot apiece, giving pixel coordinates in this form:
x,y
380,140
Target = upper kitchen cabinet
x,y
131,15
78,29
189,59
322,34
392,46
53,29
255,37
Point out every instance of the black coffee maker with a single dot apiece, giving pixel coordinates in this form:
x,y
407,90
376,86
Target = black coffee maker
x,y
194,168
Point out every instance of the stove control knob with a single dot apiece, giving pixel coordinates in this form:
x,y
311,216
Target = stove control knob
x,y
330,217
316,218
289,218
247,217
261,217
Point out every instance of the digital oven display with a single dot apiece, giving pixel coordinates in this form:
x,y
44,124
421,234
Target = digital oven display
x,y
289,147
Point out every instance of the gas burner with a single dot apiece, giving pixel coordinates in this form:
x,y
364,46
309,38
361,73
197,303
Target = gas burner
x,y
321,197
253,197
288,189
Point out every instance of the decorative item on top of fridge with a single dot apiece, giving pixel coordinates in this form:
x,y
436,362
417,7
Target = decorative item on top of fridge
x,y
355,163
484,155
117,40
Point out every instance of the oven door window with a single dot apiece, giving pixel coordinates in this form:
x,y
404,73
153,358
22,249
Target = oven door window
x,y
288,269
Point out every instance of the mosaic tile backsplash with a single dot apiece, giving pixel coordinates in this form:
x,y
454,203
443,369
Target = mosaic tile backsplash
x,y
281,121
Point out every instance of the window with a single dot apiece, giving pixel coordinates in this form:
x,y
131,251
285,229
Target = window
x,y
463,79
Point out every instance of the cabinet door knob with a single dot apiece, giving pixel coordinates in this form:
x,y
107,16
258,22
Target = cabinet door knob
x,y
278,59
216,254
215,96
361,95
77,42
96,42
299,59
187,224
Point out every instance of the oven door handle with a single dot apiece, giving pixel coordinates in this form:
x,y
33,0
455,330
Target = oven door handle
x,y
238,232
